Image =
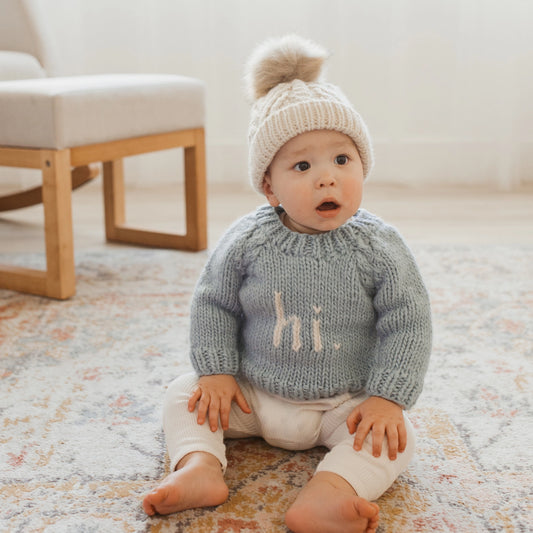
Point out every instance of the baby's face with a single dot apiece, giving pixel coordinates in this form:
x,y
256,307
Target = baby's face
x,y
317,177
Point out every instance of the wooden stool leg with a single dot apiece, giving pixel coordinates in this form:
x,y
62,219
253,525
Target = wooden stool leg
x,y
57,203
58,280
195,193
113,174
193,142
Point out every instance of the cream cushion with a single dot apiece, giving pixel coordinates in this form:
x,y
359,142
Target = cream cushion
x,y
19,66
65,112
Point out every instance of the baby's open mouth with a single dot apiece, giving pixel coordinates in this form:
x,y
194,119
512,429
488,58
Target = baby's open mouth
x,y
327,206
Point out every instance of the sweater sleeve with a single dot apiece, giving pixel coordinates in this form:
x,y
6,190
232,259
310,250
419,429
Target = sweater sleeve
x,y
216,311
403,324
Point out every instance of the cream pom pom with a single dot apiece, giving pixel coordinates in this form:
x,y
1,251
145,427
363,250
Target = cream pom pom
x,y
283,60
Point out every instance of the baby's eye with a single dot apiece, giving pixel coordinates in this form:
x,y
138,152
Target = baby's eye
x,y
302,166
341,160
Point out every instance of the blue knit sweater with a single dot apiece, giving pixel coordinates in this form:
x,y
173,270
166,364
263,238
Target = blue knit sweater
x,y
310,316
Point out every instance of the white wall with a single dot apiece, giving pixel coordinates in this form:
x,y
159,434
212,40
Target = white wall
x,y
444,85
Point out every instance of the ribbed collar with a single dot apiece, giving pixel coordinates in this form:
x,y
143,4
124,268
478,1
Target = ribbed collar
x,y
332,243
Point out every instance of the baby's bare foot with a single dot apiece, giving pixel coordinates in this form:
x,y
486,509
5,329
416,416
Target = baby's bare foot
x,y
198,482
328,504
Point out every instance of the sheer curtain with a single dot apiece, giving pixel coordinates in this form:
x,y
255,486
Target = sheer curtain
x,y
444,85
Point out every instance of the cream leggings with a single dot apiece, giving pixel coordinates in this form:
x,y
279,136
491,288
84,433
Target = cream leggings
x,y
293,425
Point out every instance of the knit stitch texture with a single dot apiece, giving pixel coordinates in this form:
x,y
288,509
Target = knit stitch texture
x,y
311,316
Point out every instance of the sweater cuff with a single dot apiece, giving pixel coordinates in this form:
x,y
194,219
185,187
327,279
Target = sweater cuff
x,y
396,386
209,363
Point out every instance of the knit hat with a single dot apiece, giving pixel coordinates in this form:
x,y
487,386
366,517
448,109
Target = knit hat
x,y
289,97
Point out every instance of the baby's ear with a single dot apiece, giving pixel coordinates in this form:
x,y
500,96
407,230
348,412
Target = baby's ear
x,y
268,192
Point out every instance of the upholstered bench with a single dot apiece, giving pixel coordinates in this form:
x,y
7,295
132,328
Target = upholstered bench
x,y
62,125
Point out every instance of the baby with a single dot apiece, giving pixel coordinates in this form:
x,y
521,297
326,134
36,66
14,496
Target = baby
x,y
310,324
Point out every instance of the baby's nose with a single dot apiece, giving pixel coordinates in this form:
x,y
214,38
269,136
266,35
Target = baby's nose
x,y
326,180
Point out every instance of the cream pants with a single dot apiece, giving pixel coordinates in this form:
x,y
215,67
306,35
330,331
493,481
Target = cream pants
x,y
293,425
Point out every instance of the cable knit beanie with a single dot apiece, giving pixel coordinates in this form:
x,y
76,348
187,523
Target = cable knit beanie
x,y
283,79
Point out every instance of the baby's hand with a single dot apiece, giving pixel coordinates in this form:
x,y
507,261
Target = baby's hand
x,y
214,395
382,417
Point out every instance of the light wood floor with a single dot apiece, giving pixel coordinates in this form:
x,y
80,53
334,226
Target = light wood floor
x,y
447,215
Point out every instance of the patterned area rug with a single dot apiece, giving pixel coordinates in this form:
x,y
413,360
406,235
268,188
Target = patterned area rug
x,y
82,383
